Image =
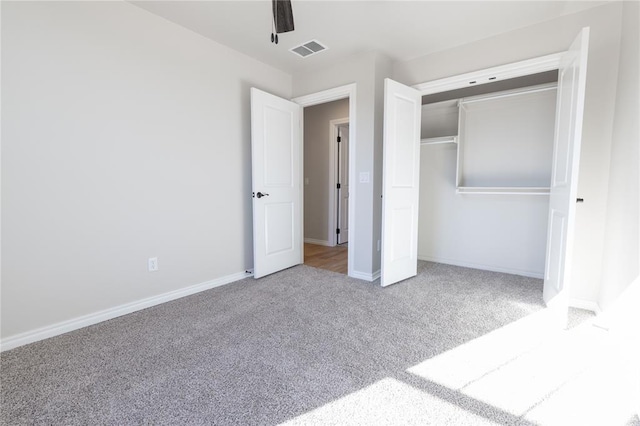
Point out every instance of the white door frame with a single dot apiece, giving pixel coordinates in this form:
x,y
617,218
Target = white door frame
x,y
333,161
491,75
347,91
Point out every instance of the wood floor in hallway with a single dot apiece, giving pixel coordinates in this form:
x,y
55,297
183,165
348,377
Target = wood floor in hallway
x,y
329,258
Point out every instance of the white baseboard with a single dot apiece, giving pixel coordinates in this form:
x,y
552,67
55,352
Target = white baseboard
x,y
531,274
365,275
376,275
318,242
107,314
587,305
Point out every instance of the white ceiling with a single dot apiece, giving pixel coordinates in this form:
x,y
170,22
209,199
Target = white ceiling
x,y
400,29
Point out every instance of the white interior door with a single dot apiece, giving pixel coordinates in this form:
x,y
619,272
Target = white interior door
x,y
343,180
564,175
276,158
401,180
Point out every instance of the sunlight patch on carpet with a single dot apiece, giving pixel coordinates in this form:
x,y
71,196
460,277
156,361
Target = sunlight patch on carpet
x,y
388,402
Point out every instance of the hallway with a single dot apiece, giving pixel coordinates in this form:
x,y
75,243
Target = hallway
x,y
328,258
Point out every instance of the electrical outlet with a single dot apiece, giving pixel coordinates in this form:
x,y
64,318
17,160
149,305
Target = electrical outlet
x,y
153,264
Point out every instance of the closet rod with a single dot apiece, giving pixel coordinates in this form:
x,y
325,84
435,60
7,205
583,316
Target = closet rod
x,y
554,86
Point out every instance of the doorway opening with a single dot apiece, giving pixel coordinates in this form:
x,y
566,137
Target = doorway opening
x,y
326,185
277,165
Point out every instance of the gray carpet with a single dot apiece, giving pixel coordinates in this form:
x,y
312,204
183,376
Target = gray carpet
x,y
264,351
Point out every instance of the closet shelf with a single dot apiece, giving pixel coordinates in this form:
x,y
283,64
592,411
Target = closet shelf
x,y
439,140
502,190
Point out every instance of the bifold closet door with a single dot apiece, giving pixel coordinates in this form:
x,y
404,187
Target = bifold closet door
x,y
564,175
401,182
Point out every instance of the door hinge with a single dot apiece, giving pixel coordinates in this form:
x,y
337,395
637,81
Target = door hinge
x,y
339,139
338,186
337,230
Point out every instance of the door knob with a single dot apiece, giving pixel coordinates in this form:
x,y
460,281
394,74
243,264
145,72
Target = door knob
x,y
260,195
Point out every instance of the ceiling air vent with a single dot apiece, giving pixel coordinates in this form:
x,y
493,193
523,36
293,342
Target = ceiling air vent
x,y
309,48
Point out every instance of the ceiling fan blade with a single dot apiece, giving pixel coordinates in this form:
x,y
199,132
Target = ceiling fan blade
x,y
282,16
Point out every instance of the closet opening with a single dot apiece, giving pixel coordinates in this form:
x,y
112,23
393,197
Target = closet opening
x,y
485,173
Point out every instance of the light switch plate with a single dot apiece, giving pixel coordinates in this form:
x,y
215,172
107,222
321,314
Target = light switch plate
x,y
364,177
153,264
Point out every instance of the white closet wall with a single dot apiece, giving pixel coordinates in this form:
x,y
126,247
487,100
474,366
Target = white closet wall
x,y
507,139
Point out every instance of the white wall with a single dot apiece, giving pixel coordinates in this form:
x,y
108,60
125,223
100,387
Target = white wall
x,y
368,71
621,251
124,137
316,167
538,40
505,233
383,69
360,70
